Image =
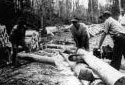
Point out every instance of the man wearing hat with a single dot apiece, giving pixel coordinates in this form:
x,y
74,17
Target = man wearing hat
x,y
80,34
117,33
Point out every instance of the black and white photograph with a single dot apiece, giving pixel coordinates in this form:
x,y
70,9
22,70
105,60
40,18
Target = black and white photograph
x,y
62,42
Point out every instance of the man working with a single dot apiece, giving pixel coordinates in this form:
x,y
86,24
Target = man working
x,y
80,34
117,32
17,36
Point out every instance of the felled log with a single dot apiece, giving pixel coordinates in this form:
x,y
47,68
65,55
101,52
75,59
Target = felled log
x,y
34,57
107,73
61,46
86,75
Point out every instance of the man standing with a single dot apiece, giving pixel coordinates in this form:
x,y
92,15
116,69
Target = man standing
x,y
117,32
80,34
17,37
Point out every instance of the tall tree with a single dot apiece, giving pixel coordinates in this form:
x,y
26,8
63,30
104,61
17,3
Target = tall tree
x,y
123,4
7,13
115,9
93,10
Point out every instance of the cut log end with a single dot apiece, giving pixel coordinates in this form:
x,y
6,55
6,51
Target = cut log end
x,y
121,81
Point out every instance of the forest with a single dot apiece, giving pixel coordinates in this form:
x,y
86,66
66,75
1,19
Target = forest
x,y
41,13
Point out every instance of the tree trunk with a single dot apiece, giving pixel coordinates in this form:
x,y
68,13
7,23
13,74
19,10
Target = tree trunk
x,y
107,73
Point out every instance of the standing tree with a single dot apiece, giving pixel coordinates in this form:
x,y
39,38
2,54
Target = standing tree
x,y
115,9
93,10
7,13
123,4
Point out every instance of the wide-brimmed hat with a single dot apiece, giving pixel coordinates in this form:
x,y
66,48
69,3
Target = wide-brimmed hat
x,y
74,20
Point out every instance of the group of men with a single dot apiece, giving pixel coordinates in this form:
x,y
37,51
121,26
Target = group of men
x,y
81,36
112,27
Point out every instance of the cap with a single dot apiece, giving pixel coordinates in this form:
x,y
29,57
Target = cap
x,y
107,13
74,20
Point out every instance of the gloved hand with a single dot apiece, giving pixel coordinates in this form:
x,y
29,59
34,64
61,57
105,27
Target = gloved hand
x,y
97,52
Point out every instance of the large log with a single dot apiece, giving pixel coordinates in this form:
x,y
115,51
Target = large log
x,y
74,70
107,73
34,57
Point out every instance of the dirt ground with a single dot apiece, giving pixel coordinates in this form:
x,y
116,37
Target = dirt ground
x,y
34,73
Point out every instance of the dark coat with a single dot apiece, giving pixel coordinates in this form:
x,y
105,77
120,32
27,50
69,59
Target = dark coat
x,y
17,35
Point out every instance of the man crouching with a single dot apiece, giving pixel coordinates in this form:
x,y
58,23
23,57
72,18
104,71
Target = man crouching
x,y
80,34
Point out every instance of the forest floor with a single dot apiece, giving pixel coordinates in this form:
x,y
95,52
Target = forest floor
x,y
34,73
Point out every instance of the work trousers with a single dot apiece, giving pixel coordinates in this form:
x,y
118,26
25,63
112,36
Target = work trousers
x,y
118,50
5,53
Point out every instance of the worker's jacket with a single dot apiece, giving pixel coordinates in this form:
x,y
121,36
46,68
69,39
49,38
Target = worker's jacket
x,y
81,36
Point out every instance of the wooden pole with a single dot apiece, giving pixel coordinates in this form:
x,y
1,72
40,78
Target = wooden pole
x,y
107,73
